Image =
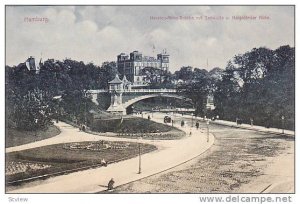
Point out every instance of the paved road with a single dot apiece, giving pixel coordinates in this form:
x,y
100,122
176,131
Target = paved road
x,y
233,124
240,160
169,154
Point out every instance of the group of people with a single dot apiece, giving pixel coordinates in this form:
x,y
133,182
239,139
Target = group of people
x,y
82,127
197,124
111,182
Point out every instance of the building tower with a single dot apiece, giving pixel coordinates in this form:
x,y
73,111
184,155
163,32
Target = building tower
x,y
116,88
164,60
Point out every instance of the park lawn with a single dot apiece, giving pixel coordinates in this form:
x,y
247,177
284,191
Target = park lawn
x,y
136,127
60,158
14,137
171,135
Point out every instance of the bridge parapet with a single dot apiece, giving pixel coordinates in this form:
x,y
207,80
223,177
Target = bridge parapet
x,y
134,91
96,91
150,91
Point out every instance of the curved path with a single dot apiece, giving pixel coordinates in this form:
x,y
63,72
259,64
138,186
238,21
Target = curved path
x,y
240,161
170,153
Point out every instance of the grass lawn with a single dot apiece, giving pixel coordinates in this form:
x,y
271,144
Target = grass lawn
x,y
135,127
15,137
61,157
171,135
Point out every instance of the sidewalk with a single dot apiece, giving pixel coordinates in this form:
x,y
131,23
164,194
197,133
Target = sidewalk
x,y
170,153
244,126
254,127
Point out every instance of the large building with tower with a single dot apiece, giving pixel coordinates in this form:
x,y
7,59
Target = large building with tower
x,y
133,65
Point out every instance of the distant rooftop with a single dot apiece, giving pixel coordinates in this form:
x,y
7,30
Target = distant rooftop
x,y
116,80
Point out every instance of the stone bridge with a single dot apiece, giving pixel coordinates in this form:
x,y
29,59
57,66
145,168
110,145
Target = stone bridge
x,y
122,99
123,94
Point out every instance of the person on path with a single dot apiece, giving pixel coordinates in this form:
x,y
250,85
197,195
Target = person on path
x,y
197,125
103,162
110,185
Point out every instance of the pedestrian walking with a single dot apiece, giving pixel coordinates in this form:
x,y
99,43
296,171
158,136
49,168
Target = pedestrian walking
x,y
251,122
197,125
110,185
103,163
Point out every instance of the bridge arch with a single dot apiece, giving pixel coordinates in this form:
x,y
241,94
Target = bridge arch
x,y
140,98
122,99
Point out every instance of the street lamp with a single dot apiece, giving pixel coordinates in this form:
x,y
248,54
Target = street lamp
x,y
57,100
85,111
207,126
192,119
282,123
140,157
35,129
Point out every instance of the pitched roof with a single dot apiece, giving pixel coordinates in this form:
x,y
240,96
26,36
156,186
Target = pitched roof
x,y
125,80
116,80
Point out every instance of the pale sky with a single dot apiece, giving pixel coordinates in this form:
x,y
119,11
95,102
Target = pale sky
x,y
99,33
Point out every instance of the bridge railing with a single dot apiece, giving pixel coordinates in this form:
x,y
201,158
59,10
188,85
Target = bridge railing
x,y
175,110
97,91
135,91
151,91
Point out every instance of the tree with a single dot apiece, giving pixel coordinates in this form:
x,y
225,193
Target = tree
x,y
110,68
197,87
29,112
258,84
29,96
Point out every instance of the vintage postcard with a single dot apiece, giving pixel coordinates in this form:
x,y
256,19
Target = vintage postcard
x,y
114,99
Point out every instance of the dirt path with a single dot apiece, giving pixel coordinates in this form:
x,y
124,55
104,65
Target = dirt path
x,y
239,161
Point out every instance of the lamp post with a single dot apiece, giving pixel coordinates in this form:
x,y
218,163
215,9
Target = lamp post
x,y
282,123
57,100
251,122
207,126
35,129
192,119
85,111
140,157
